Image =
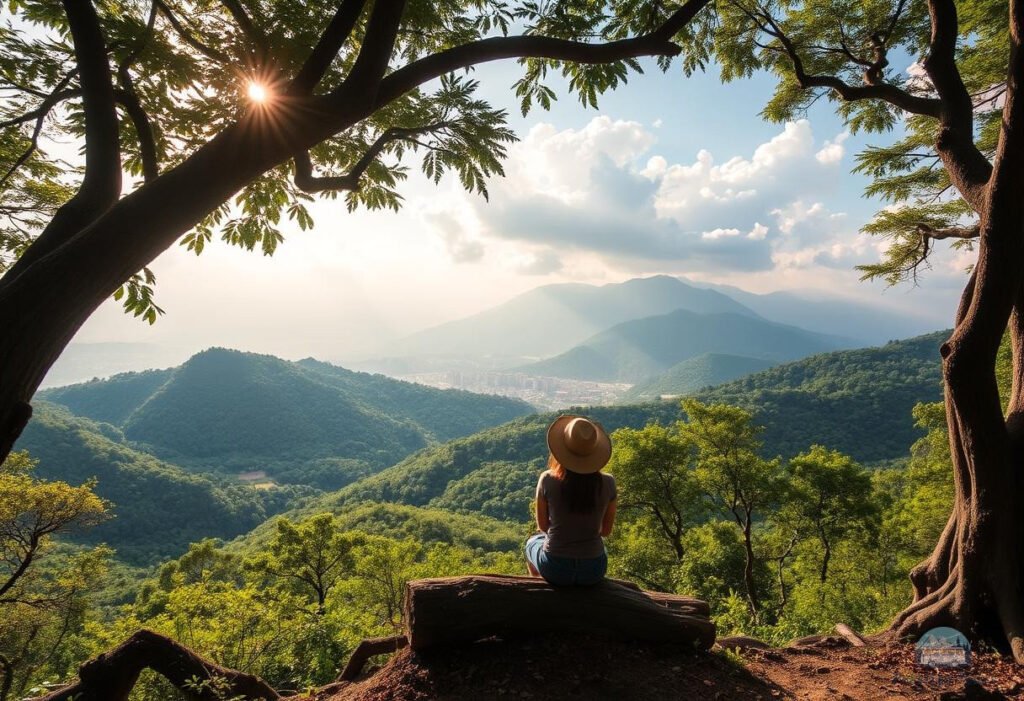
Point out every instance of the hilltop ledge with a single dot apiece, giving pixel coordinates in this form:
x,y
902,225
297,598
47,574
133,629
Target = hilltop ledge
x,y
451,610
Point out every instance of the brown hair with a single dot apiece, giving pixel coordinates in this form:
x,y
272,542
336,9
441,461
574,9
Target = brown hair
x,y
580,492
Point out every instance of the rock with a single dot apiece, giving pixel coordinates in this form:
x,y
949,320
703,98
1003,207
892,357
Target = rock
x,y
742,642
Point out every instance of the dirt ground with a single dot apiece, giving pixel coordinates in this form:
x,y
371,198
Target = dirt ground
x,y
598,670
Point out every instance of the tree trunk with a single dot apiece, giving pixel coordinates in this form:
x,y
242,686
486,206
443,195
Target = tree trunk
x,y
465,609
748,567
973,579
825,558
44,304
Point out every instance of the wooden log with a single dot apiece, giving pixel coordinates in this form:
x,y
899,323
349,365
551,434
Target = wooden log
x,y
367,649
465,609
684,604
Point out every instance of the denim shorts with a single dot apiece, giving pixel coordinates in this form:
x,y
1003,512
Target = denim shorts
x,y
565,571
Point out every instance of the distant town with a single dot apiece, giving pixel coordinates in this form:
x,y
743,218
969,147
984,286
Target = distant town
x,y
543,392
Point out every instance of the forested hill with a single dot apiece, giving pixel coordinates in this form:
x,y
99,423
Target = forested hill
x,y
636,350
695,374
228,410
491,473
158,508
855,401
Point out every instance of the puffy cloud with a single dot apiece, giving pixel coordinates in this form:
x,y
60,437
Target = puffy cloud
x,y
599,190
833,150
461,247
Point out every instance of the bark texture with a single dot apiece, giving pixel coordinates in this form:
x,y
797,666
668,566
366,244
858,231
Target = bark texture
x,y
972,580
111,676
99,239
464,609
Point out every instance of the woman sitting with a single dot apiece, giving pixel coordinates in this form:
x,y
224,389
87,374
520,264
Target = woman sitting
x,y
575,505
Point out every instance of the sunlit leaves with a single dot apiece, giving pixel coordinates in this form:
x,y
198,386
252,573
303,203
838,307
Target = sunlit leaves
x,y
187,63
908,249
136,296
871,43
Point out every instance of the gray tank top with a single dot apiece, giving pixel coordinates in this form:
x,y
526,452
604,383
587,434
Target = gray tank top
x,y
574,534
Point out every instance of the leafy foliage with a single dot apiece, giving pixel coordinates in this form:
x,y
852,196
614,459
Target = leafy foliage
x,y
181,72
308,423
138,486
857,401
43,599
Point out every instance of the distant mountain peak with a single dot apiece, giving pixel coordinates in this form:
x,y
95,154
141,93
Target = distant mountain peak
x,y
550,319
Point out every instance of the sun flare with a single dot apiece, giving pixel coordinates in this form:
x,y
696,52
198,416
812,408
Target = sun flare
x,y
258,92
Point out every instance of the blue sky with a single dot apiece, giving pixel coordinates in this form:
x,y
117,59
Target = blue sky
x,y
671,175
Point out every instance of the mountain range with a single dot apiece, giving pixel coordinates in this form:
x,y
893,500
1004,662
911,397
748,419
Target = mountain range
x,y
166,446
855,401
225,410
868,323
551,319
642,348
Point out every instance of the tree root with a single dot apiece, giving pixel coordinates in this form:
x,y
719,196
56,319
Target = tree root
x,y
367,649
112,675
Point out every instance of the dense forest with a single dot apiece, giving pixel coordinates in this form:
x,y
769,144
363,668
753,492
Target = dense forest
x,y
312,572
835,399
831,540
228,411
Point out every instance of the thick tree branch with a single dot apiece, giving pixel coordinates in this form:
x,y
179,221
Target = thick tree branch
x,y
306,181
657,43
364,81
187,37
940,64
967,166
101,182
248,26
111,676
953,232
323,54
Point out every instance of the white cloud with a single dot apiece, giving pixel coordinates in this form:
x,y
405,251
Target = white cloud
x,y
460,245
833,151
720,233
600,190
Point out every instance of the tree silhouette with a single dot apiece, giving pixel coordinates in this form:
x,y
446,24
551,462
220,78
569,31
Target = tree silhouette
x,y
165,96
957,174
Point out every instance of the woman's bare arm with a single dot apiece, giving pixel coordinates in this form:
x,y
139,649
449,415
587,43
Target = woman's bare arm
x,y
608,522
542,514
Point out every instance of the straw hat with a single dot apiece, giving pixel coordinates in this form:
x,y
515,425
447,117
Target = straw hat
x,y
579,444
